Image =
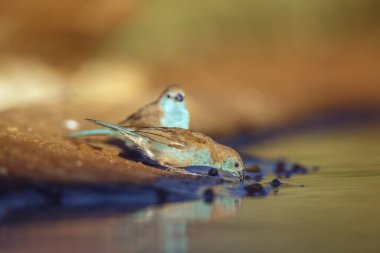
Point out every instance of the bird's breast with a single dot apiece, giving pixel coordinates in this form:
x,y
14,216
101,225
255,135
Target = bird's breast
x,y
176,117
183,157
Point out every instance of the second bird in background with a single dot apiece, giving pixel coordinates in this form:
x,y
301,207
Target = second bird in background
x,y
169,110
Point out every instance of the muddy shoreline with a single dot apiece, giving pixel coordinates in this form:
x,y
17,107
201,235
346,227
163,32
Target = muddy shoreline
x,y
44,174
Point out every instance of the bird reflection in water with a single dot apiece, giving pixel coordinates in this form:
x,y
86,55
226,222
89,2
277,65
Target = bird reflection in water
x,y
173,219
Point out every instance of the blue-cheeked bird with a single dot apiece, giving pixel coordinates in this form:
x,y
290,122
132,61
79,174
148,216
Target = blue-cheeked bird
x,y
178,148
169,110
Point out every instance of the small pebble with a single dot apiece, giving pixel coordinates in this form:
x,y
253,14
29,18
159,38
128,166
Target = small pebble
x,y
79,163
299,169
258,178
280,168
246,177
209,195
254,189
275,183
213,172
288,174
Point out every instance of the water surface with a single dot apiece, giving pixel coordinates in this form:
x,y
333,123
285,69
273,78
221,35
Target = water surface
x,y
336,211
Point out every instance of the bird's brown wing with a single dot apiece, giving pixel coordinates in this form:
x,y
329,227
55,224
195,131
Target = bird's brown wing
x,y
174,137
160,135
147,116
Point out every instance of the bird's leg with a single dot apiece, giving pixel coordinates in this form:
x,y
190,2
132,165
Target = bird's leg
x,y
179,170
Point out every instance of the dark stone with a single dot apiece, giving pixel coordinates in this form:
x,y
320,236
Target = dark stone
x,y
258,178
275,183
246,177
209,195
299,169
280,168
213,172
254,189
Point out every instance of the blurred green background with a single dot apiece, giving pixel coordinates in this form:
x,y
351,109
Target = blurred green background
x,y
164,29
261,63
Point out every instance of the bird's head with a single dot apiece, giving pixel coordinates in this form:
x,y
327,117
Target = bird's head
x,y
233,163
173,94
173,104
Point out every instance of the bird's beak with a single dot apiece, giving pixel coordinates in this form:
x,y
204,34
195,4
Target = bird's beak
x,y
241,175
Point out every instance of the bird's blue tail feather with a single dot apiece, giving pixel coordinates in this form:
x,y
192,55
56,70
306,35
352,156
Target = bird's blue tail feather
x,y
101,131
115,128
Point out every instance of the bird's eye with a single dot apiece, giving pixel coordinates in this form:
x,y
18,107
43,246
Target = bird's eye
x,y
168,96
179,97
236,165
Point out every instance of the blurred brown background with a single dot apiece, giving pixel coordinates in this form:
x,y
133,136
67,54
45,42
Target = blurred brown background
x,y
254,64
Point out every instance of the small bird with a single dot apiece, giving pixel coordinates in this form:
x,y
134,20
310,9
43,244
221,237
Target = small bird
x,y
169,110
178,148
